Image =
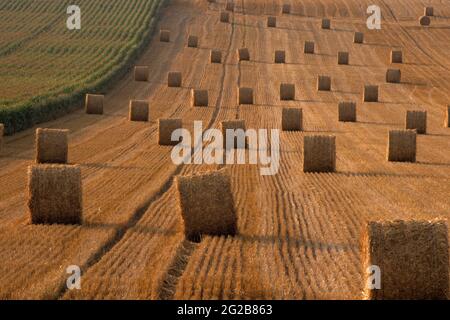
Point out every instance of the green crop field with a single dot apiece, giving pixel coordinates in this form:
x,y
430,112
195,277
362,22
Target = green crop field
x,y
45,68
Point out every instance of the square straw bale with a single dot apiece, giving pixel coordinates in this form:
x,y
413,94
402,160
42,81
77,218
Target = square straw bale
x,y
141,73
402,146
447,117
243,54
224,16
396,56
323,83
428,11
216,56
424,21
343,57
319,153
272,22
292,119
164,35
192,41
174,79
207,205
280,56
309,47
358,37
165,129
370,93
54,194
138,110
412,256
229,6
51,145
347,111
286,9
326,23
393,75
233,125
416,119
94,103
245,96
199,98
287,91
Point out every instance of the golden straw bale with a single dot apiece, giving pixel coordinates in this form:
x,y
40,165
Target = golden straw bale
x,y
447,117
292,119
286,9
207,205
216,56
192,41
323,83
94,103
412,257
280,56
229,6
164,35
370,93
416,119
428,11
165,129
141,73
199,98
326,23
393,75
174,79
424,21
272,22
224,16
245,96
402,145
287,91
358,37
347,111
243,54
343,57
396,56
138,110
319,153
51,145
54,194
309,47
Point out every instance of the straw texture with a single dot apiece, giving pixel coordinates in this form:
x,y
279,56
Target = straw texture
x,y
319,153
138,110
402,146
347,111
94,103
292,119
416,119
165,129
51,145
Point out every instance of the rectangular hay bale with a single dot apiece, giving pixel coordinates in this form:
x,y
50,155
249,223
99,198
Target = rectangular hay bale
x,y
243,54
287,91
358,37
326,23
224,16
323,83
192,41
207,205
55,194
416,119
447,117
216,56
412,257
141,73
309,47
402,146
396,56
272,22
199,98
52,145
165,129
286,8
245,95
292,119
370,93
229,6
347,111
393,76
233,125
319,153
164,35
343,57
174,79
280,56
138,110
428,11
94,103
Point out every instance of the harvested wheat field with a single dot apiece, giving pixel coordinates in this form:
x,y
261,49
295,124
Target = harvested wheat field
x,y
294,234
